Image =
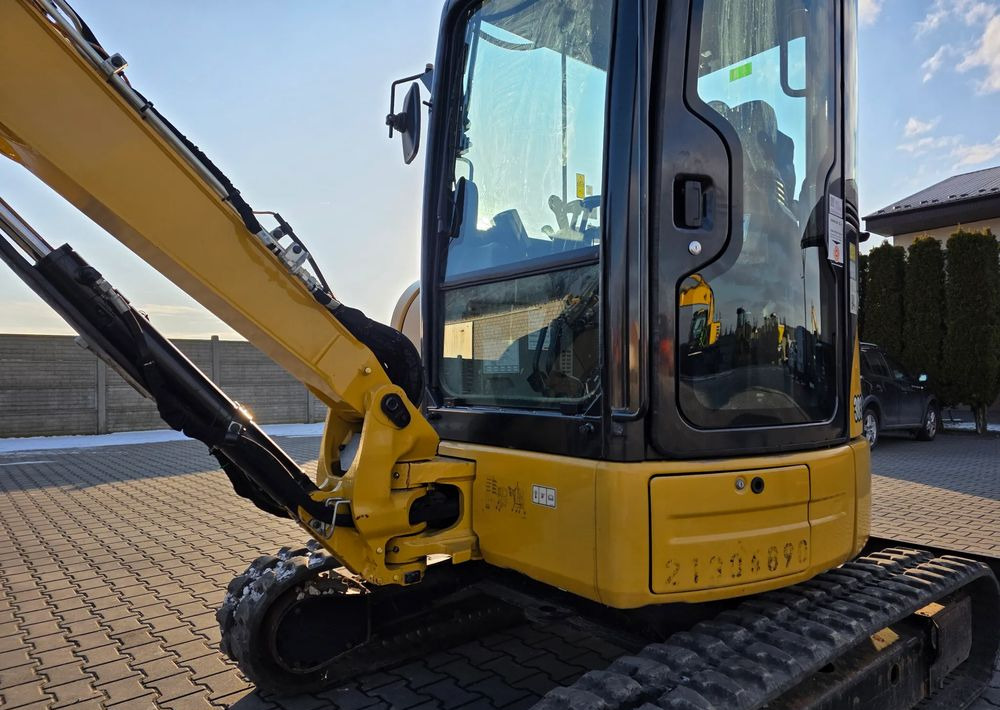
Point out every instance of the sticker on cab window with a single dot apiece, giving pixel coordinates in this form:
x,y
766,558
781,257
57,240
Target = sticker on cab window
x,y
835,230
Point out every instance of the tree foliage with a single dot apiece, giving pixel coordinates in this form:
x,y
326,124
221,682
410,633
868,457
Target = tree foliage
x,y
924,309
884,298
862,285
972,343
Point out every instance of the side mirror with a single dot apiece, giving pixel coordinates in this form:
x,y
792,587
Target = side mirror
x,y
922,378
407,121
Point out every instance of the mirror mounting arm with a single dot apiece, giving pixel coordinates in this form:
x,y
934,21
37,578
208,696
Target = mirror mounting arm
x,y
397,120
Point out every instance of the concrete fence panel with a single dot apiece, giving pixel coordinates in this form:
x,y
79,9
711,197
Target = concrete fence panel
x,y
50,386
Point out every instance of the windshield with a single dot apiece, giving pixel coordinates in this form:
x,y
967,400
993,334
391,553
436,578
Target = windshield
x,y
765,68
521,296
532,144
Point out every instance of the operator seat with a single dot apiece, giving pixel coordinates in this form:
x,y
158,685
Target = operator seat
x,y
475,249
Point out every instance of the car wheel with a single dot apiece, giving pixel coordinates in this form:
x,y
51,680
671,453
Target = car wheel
x,y
932,422
869,427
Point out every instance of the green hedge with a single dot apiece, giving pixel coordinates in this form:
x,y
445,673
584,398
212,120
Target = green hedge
x,y
938,311
884,298
862,286
924,309
972,343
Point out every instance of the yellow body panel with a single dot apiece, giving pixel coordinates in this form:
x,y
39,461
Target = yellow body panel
x,y
611,527
751,536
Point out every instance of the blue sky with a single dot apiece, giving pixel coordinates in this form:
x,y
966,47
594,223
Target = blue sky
x,y
290,100
930,94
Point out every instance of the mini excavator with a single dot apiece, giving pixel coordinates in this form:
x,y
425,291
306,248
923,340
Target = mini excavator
x,y
545,449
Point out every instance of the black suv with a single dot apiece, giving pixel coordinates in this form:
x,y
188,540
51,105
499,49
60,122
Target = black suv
x,y
892,400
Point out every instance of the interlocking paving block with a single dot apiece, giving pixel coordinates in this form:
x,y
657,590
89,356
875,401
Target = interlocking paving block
x,y
24,694
449,694
943,493
498,691
103,609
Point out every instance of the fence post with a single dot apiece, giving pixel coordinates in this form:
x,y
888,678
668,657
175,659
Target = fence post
x,y
213,346
102,396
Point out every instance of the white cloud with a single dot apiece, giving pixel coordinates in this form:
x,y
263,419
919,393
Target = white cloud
x,y
978,12
933,64
916,127
976,154
933,19
929,143
971,12
986,55
869,10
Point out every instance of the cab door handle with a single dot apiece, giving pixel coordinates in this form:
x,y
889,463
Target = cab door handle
x,y
690,201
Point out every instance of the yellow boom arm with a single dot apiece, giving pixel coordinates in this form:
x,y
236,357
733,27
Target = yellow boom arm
x,y
69,116
73,128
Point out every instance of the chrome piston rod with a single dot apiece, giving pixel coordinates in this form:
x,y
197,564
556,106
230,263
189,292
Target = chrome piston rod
x,y
21,233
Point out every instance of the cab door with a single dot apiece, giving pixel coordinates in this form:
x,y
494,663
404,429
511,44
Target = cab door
x,y
513,247
749,203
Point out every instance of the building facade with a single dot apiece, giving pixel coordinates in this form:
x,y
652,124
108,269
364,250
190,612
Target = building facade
x,y
969,201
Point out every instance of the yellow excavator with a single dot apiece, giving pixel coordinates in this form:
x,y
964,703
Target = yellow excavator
x,y
704,330
552,454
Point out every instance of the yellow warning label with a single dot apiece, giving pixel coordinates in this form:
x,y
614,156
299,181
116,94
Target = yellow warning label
x,y
581,186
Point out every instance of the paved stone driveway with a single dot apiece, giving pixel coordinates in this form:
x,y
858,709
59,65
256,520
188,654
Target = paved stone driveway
x,y
113,560
942,493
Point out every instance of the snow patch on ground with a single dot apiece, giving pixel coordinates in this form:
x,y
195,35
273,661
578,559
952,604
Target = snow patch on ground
x,y
969,426
124,438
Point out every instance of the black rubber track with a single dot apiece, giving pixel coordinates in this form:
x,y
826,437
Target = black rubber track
x,y
749,656
445,620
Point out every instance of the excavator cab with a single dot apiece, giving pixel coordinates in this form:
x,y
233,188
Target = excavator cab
x,y
571,442
589,162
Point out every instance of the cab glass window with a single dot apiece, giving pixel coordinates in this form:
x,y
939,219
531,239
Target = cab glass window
x,y
531,148
520,287
529,341
756,330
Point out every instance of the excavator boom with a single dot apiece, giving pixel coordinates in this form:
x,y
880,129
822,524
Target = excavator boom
x,y
110,153
130,170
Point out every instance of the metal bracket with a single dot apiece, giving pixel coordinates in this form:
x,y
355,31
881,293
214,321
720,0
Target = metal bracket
x,y
115,64
326,530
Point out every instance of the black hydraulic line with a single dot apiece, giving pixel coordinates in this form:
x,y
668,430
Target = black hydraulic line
x,y
187,400
233,196
286,230
212,418
66,309
88,34
245,488
398,356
